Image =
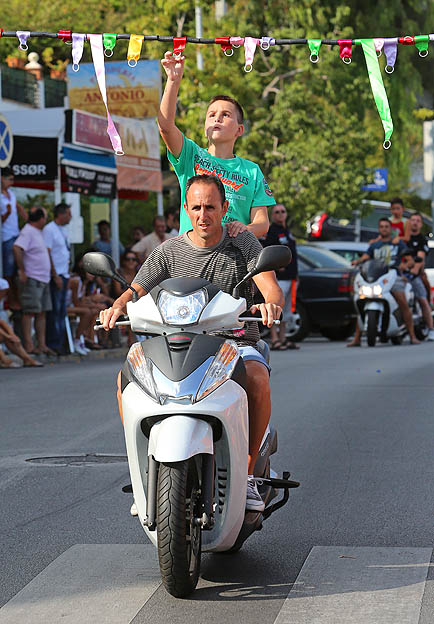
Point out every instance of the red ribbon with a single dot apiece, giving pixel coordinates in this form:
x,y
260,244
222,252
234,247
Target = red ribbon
x,y
406,40
65,35
1,32
179,45
224,42
345,48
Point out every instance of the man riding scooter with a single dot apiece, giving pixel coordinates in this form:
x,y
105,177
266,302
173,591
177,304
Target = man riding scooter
x,y
207,251
389,252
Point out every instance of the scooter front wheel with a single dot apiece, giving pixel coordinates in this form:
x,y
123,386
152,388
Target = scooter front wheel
x,y
372,327
178,533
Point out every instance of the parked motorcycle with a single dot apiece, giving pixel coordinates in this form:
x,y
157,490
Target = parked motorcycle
x,y
185,417
379,314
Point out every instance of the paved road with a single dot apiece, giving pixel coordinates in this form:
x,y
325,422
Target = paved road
x,y
356,427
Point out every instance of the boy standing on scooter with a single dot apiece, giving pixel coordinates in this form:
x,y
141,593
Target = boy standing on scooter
x,y
245,186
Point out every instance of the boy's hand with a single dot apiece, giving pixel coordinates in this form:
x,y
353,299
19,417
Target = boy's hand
x,y
236,227
174,67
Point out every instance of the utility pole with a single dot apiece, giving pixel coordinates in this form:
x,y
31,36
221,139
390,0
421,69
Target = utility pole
x,y
220,9
198,16
428,161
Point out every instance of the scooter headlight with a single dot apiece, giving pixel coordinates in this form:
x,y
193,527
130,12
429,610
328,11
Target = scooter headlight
x,y
366,291
377,290
141,368
220,369
185,310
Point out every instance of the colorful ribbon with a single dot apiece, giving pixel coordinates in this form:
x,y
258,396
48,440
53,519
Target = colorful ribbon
x,y
225,45
65,35
346,50
266,42
134,49
379,44
77,49
109,42
390,50
236,42
250,44
23,35
314,46
179,46
407,40
421,43
378,90
96,47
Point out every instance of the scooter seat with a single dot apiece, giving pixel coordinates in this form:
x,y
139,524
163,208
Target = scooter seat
x,y
264,350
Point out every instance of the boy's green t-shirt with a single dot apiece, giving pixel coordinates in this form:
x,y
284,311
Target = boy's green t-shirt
x,y
244,182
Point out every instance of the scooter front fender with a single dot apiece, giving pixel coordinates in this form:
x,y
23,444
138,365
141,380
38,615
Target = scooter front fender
x,y
374,305
180,437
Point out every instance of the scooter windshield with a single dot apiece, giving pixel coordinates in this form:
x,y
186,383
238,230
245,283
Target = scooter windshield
x,y
372,270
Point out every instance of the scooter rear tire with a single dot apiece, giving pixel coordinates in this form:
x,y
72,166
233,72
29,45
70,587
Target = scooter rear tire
x,y
178,536
372,328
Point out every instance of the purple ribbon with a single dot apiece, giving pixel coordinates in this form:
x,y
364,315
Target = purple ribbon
x,y
77,49
23,35
391,50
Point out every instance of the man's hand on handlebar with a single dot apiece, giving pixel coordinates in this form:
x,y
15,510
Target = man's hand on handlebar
x,y
270,312
109,316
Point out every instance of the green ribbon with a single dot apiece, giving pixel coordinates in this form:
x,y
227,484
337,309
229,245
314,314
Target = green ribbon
x,y
378,90
109,41
314,46
421,43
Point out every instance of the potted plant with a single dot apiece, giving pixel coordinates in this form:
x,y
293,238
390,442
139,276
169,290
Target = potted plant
x,y
57,68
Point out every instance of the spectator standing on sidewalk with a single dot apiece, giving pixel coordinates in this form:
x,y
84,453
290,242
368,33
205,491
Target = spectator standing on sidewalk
x,y
33,261
10,210
172,222
56,239
150,242
104,242
279,234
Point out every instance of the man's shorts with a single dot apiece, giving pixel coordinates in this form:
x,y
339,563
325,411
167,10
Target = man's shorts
x,y
399,285
418,288
252,354
289,289
8,257
35,296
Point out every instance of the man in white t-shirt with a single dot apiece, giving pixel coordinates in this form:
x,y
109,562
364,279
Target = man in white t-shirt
x,y
58,245
148,243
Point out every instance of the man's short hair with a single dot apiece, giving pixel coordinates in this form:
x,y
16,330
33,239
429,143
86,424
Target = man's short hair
x,y
36,213
227,98
416,214
206,179
103,222
140,228
397,200
60,209
158,218
7,172
384,219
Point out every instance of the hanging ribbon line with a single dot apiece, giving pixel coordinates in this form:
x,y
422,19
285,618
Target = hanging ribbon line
x,y
266,42
346,50
421,43
390,50
249,51
109,42
378,90
379,44
23,35
179,46
225,45
96,47
134,49
314,46
77,50
236,42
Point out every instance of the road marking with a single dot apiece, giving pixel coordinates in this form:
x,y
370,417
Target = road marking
x,y
88,584
339,584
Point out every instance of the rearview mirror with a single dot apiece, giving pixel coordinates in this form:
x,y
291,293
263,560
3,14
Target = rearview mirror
x,y
98,263
270,259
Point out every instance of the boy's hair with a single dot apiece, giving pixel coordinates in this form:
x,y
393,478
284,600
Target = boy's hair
x,y
397,200
102,222
206,179
227,98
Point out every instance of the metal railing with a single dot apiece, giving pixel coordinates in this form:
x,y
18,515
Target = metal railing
x,y
19,85
55,91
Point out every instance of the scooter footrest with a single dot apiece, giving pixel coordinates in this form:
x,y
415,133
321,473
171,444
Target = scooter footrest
x,y
278,483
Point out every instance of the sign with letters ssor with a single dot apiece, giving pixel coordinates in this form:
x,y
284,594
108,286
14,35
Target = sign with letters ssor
x,y
34,159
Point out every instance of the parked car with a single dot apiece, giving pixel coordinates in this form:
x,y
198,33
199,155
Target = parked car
x,y
429,266
324,295
349,250
324,227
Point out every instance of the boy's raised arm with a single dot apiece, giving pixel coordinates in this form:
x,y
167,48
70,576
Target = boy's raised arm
x,y
170,134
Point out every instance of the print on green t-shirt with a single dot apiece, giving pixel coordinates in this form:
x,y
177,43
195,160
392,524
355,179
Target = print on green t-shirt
x,y
244,182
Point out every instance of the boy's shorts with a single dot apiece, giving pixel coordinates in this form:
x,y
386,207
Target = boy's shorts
x,y
418,288
35,296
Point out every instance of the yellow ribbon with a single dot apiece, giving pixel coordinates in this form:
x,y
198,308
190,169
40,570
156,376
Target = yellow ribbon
x,y
134,48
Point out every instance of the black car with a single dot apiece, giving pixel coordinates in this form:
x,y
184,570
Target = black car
x,y
324,295
324,227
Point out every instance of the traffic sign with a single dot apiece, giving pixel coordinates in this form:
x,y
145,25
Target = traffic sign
x,y
6,142
379,181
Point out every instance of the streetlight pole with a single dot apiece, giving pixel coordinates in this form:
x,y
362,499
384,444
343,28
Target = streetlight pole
x,y
198,16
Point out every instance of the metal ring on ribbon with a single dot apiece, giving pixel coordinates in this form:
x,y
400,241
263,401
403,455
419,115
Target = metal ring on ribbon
x,y
314,58
228,52
120,152
75,67
379,53
236,45
23,46
131,61
248,68
387,144
108,53
265,45
389,69
68,42
346,60
423,53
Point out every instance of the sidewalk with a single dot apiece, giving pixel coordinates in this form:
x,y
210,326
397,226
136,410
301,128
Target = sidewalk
x,y
119,352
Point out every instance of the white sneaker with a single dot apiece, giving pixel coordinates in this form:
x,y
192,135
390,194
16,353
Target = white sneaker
x,y
78,348
254,501
430,335
133,510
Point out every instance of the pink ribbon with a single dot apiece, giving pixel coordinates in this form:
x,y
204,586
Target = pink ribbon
x,y
77,49
390,50
236,41
431,37
23,35
250,44
379,43
97,49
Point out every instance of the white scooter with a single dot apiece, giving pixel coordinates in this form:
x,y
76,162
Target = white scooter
x,y
185,419
378,312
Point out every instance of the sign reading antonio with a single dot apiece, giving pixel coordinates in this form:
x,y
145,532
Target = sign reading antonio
x,y
34,159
